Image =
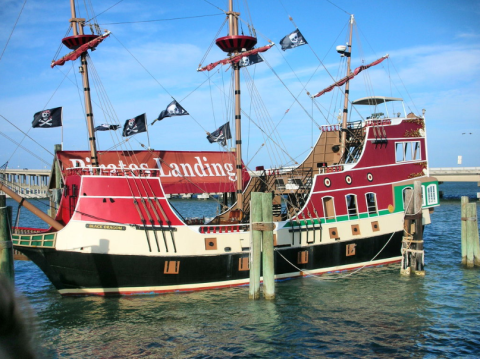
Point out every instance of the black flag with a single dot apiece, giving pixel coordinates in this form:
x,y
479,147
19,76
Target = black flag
x,y
221,135
250,60
293,40
135,125
105,127
48,118
173,109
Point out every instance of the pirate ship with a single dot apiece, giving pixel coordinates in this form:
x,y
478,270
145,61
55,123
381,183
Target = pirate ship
x,y
115,231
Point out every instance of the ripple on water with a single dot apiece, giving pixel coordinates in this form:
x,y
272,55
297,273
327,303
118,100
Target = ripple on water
x,y
375,313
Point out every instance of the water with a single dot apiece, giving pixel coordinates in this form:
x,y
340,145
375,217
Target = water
x,y
375,313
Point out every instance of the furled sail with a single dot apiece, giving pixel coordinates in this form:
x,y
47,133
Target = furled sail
x,y
235,59
76,53
351,76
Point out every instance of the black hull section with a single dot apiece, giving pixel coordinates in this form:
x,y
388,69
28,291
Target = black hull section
x,y
124,274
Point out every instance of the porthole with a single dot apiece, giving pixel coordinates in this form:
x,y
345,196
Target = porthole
x,y
369,177
327,182
348,179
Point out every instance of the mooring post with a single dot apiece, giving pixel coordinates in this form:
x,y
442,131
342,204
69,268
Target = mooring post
x,y
463,214
475,235
267,248
6,248
418,236
255,247
407,226
473,246
55,193
469,220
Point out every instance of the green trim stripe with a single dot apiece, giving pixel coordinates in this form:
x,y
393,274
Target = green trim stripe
x,y
34,240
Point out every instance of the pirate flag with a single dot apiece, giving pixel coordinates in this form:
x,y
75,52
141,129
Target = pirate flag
x,y
105,127
221,135
134,126
293,40
173,109
250,60
48,118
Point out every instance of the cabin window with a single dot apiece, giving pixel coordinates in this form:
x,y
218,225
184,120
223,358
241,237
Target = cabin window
x,y
351,205
432,194
371,203
328,208
407,151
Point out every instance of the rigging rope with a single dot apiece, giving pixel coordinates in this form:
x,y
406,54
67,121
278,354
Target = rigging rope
x,y
317,276
13,29
22,147
157,20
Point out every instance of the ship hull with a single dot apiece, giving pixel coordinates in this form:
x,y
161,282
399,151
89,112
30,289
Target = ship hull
x,y
74,273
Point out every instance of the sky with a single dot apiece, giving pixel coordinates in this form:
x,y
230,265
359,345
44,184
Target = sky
x,y
434,64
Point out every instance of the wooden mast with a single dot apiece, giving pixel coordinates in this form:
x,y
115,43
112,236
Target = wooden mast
x,y
233,31
348,53
77,26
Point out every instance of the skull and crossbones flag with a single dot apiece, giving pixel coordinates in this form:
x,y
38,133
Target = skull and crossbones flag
x,y
292,40
135,125
222,134
105,127
48,118
250,60
173,109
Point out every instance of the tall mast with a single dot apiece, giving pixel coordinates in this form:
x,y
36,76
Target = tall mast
x,y
233,31
77,26
348,53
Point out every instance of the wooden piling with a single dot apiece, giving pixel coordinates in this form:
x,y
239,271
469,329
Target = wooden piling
x,y
418,269
267,248
255,248
412,244
6,248
475,235
52,212
471,234
261,219
463,211
407,226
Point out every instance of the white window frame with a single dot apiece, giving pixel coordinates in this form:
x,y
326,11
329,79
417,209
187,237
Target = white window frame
x,y
375,201
413,147
432,197
356,205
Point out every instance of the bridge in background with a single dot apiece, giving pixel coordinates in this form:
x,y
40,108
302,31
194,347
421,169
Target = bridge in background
x,y
456,174
27,183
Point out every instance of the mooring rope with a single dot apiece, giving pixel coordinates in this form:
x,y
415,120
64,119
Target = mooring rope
x,y
317,276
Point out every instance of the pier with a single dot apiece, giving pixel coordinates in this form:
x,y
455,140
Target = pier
x,y
456,174
26,183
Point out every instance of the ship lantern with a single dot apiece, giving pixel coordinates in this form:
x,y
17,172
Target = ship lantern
x,y
236,43
74,42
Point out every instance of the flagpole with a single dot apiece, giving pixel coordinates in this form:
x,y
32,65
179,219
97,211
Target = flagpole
x,y
233,31
146,127
61,118
343,143
77,26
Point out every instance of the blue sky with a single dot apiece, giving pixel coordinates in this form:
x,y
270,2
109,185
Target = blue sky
x,y
434,64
